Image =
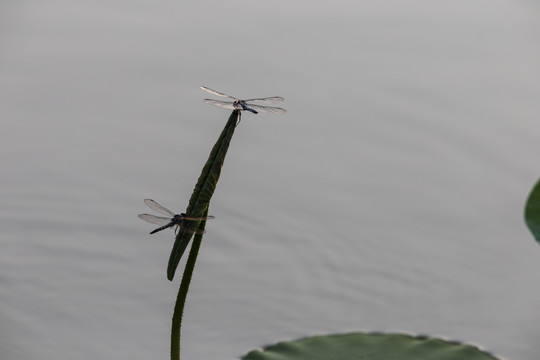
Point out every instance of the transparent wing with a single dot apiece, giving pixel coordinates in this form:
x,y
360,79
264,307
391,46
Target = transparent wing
x,y
217,93
158,220
267,109
272,99
160,209
191,218
223,104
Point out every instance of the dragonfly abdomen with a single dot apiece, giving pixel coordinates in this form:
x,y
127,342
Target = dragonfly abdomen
x,y
250,109
171,224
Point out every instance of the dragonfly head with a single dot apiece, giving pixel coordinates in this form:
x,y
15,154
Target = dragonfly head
x,y
239,105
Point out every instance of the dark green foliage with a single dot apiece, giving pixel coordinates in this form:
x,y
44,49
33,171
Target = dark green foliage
x,y
532,211
369,346
200,198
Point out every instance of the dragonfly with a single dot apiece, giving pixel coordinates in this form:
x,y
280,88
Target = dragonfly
x,y
238,104
172,219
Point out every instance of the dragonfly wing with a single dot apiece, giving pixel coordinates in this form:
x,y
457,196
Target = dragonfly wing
x,y
272,99
158,220
224,104
217,93
155,206
198,218
267,109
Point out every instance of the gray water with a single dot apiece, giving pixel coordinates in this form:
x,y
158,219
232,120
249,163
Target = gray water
x,y
388,198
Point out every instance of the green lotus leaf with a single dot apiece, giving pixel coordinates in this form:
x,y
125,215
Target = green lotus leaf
x,y
369,346
532,211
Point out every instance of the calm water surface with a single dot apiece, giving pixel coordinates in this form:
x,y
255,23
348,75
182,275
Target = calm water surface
x,y
388,198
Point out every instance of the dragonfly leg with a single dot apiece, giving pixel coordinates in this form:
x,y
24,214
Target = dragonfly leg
x,y
239,118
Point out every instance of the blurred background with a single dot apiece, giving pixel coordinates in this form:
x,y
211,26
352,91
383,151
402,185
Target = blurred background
x,y
388,198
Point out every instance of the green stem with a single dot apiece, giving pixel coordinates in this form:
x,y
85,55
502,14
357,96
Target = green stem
x,y
182,294
198,205
204,189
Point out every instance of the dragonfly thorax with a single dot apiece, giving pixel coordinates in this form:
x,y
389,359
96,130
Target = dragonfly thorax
x,y
177,219
239,104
